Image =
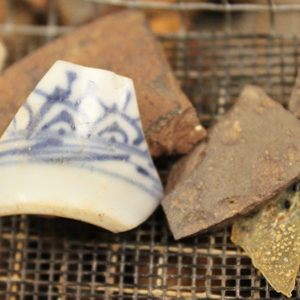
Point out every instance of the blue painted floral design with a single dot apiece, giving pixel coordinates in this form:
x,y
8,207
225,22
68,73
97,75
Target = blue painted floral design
x,y
82,130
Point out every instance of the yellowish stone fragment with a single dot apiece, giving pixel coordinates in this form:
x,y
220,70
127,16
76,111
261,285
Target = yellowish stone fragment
x,y
271,238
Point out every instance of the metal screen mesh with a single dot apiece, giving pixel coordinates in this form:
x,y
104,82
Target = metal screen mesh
x,y
53,258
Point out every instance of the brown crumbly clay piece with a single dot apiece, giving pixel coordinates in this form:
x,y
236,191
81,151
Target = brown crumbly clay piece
x,y
252,154
169,21
164,22
271,238
294,103
169,120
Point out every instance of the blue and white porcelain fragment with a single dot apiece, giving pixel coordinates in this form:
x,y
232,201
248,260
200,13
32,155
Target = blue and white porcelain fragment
x,y
76,149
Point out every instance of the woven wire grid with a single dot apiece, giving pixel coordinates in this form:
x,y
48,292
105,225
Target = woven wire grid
x,y
54,258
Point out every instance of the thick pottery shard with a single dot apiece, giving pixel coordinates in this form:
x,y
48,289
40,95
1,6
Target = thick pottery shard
x,y
271,237
185,166
76,149
252,154
124,44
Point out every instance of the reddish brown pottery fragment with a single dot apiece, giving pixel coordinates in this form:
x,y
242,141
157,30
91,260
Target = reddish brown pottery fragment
x,y
294,103
122,43
253,153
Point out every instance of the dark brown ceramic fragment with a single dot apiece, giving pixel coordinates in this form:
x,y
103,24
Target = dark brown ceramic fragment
x,y
271,237
122,43
294,103
185,166
253,153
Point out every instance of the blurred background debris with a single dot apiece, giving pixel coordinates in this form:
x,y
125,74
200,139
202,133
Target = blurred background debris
x,y
39,6
3,55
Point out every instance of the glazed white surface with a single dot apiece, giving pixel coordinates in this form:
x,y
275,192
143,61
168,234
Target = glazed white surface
x,y
50,190
76,149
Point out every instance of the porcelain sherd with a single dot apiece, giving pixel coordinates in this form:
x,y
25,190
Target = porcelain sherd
x,y
76,149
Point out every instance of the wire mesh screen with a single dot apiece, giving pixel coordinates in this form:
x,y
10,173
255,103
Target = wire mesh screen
x,y
54,258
